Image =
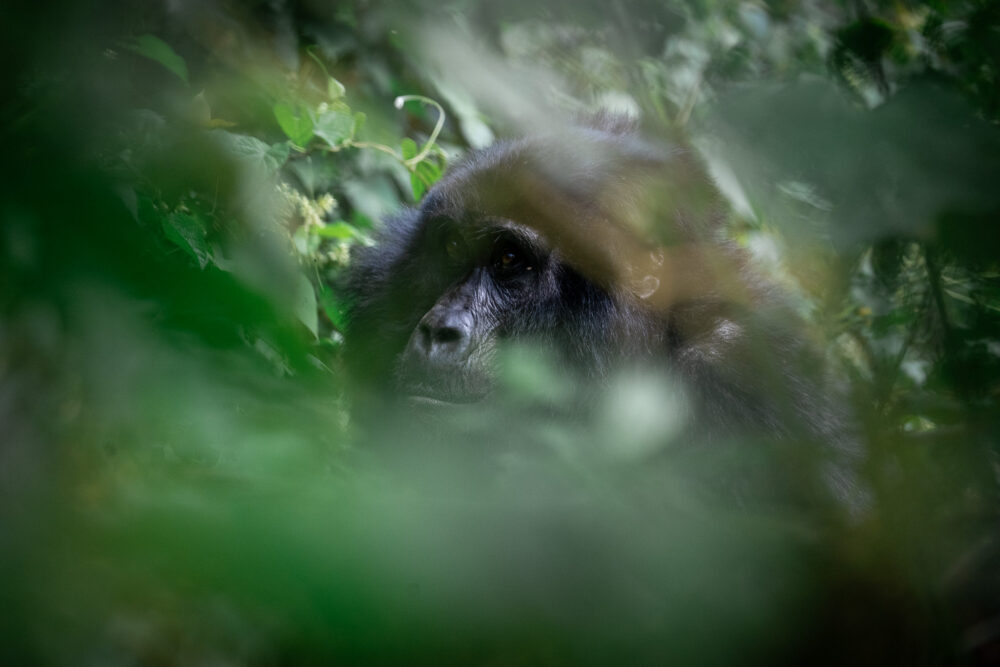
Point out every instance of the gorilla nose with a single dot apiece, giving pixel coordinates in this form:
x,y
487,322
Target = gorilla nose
x,y
444,335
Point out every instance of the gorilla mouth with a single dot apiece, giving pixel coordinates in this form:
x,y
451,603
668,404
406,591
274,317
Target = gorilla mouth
x,y
420,401
430,396
422,384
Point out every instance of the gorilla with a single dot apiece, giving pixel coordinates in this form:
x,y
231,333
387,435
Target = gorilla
x,y
605,250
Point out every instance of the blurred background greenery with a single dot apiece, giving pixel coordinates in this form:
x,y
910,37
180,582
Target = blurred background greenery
x,y
181,479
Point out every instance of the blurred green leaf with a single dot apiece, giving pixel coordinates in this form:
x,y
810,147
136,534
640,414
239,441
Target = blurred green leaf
x,y
336,230
359,121
305,304
804,153
334,308
334,127
188,233
424,175
429,171
305,243
409,148
373,197
334,89
154,48
295,122
253,152
276,155
417,186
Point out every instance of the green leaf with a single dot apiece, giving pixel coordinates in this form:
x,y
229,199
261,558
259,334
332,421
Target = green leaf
x,y
295,123
359,121
245,146
424,175
154,48
361,221
336,230
334,127
334,308
409,148
253,152
429,172
305,304
188,233
334,89
374,197
417,185
277,155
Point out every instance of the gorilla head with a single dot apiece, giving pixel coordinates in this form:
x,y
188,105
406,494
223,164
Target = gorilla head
x,y
495,279
568,241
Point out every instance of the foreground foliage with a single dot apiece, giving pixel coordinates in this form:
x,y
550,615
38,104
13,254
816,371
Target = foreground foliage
x,y
179,477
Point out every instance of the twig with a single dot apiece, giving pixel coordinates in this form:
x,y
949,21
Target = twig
x,y
416,159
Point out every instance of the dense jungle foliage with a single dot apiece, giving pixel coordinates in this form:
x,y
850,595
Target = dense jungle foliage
x,y
181,479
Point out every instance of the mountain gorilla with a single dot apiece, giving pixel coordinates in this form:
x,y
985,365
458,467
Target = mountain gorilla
x,y
604,250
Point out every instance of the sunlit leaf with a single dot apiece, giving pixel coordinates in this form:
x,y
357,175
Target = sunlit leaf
x,y
429,171
409,148
417,185
336,230
424,175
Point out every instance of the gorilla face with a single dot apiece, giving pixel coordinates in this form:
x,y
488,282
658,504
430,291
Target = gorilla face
x,y
496,279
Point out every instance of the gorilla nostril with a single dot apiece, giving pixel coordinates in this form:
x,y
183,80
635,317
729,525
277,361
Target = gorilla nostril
x,y
447,335
435,337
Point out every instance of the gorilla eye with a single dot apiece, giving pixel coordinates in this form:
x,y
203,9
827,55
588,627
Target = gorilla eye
x,y
454,246
508,260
